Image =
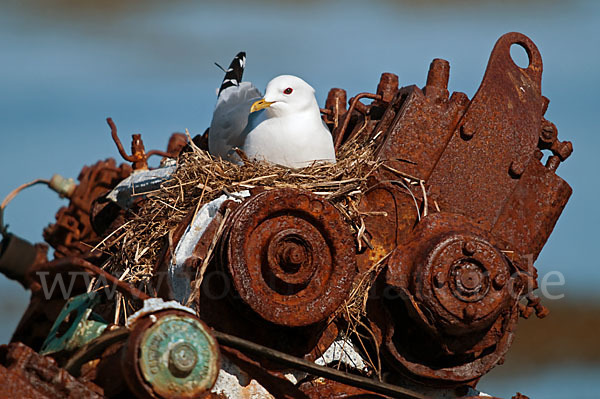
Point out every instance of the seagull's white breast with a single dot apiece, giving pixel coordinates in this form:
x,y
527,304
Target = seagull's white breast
x,y
294,140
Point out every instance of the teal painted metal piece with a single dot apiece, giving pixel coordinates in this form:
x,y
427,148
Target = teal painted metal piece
x,y
75,325
179,357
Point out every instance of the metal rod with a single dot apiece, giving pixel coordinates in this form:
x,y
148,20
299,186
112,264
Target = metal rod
x,y
353,101
94,349
17,190
160,153
115,137
131,158
315,369
70,263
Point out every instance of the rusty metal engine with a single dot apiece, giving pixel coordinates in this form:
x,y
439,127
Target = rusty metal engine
x,y
254,299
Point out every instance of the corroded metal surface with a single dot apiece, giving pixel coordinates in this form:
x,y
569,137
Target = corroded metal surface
x,y
139,156
90,215
26,374
464,206
455,273
291,256
458,293
72,234
81,329
171,354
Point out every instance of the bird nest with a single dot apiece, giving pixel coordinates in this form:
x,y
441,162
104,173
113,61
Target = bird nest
x,y
136,245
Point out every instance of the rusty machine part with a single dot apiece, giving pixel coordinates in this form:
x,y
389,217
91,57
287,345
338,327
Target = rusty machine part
x,y
78,227
456,300
290,256
314,369
455,273
139,156
16,257
26,374
166,354
73,228
285,264
468,207
172,355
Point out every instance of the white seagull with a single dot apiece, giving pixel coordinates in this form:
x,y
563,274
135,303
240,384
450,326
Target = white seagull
x,y
284,127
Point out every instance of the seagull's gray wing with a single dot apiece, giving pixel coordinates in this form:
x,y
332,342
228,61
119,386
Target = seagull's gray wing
x,y
230,119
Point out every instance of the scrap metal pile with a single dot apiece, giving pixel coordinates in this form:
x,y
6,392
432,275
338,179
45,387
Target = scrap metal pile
x,y
279,292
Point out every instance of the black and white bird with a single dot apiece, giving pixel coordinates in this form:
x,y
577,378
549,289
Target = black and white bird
x,y
283,127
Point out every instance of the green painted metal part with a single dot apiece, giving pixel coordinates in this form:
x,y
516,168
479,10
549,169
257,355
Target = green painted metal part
x,y
178,357
75,319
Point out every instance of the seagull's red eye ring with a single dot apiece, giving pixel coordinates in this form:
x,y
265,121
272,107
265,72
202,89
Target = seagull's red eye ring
x,y
288,91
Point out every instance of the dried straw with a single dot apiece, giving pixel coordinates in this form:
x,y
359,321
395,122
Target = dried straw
x,y
200,178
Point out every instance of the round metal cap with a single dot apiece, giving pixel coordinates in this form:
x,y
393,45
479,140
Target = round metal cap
x,y
178,357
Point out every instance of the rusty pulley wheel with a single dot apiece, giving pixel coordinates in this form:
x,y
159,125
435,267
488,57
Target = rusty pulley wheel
x,y
291,256
464,282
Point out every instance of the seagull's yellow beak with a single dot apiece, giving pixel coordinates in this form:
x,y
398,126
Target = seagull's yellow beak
x,y
260,104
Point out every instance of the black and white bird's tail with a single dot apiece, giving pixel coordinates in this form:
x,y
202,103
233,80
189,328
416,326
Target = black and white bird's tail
x,y
233,75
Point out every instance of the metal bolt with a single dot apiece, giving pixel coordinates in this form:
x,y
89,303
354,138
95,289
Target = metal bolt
x,y
517,168
547,133
466,132
336,100
183,358
387,87
439,73
552,163
470,280
316,206
469,312
437,80
525,311
499,281
541,311
292,257
439,280
563,149
469,248
302,202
